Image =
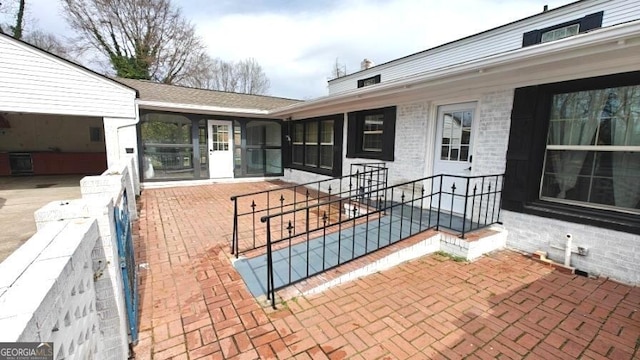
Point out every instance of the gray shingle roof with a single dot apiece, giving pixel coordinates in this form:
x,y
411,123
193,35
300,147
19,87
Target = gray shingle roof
x,y
153,91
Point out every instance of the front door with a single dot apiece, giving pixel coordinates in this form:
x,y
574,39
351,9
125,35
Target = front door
x,y
453,153
220,149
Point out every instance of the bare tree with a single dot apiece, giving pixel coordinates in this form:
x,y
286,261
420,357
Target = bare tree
x,y
252,80
143,39
17,25
47,42
338,70
245,76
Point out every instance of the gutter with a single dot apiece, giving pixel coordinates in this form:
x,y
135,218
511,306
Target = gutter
x,y
619,34
160,105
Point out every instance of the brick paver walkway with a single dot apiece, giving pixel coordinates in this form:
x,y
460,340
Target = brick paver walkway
x,y
194,305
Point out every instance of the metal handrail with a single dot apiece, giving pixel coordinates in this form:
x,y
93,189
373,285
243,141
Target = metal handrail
x,y
376,178
492,191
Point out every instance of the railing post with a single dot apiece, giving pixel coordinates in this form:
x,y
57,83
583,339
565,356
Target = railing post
x,y
281,218
464,214
271,294
253,213
234,235
289,228
307,216
439,202
453,197
324,238
402,197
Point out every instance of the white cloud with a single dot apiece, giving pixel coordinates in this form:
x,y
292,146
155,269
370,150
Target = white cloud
x,y
297,43
297,49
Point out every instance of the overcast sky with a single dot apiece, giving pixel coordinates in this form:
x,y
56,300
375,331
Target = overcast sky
x,y
298,41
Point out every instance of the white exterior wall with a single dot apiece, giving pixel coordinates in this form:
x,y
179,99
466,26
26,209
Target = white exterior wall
x,y
492,42
32,81
611,253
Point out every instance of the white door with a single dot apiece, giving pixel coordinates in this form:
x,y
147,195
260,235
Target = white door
x,y
220,149
453,153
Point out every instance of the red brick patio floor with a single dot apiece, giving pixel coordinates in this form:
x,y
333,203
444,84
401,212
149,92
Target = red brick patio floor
x,y
194,305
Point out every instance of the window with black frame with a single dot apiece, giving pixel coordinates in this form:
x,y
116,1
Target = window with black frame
x,y
315,144
372,134
592,154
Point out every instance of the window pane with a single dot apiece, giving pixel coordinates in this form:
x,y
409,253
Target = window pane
x,y
560,33
255,161
273,161
297,153
298,133
326,156
311,136
168,149
372,132
603,177
444,153
311,155
464,153
326,136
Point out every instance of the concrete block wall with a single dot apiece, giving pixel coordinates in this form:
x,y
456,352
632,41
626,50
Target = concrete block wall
x,y
100,272
48,292
110,303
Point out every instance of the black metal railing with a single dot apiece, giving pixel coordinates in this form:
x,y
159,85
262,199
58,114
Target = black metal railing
x,y
363,181
396,213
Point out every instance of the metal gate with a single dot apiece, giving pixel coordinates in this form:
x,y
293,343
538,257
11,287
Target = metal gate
x,y
127,264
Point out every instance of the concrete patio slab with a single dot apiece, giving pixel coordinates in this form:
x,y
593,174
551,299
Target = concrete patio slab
x,y
194,304
21,196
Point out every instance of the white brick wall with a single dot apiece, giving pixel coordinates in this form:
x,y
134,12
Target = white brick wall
x,y
492,136
610,253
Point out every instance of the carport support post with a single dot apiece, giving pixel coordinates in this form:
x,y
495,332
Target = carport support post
x,y
110,303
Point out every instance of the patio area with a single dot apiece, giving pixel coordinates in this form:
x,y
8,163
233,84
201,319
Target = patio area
x,y
195,305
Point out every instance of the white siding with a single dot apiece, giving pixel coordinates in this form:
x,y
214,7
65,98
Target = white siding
x,y
492,42
32,81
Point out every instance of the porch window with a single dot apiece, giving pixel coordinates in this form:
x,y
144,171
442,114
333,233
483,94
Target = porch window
x,y
593,149
313,144
167,147
372,134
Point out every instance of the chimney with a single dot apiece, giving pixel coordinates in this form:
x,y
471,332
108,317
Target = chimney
x,y
366,64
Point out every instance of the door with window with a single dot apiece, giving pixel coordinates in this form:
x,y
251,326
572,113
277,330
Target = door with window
x,y
453,152
220,144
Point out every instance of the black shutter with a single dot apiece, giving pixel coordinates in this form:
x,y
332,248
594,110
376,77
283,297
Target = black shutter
x,y
518,181
389,134
531,38
337,145
352,135
591,21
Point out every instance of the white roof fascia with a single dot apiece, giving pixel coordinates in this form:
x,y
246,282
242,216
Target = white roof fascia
x,y
161,105
618,34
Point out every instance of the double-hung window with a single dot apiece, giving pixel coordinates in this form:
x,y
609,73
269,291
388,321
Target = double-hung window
x,y
316,144
593,149
372,134
574,152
